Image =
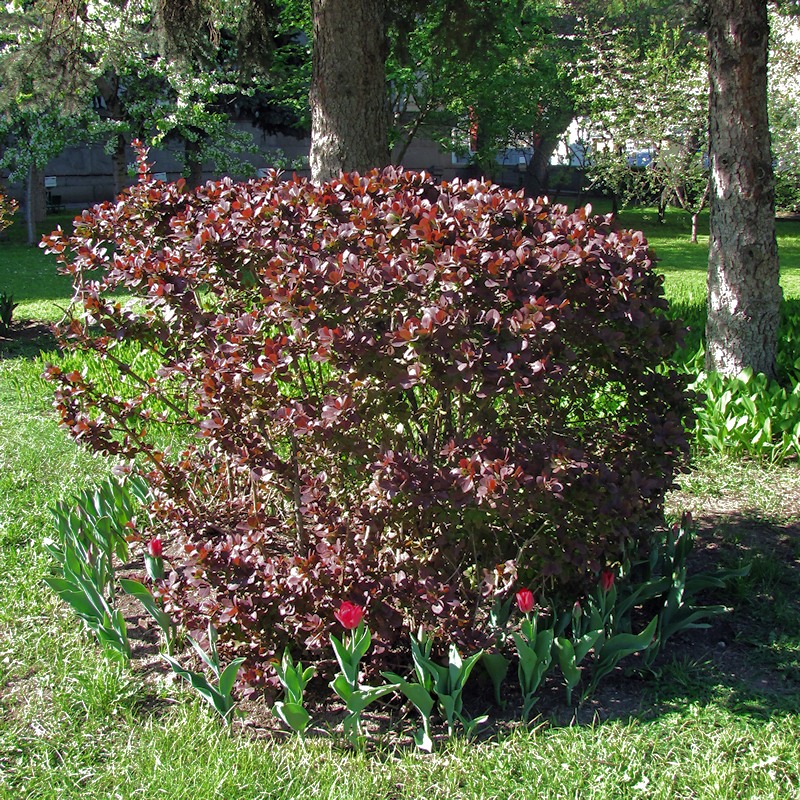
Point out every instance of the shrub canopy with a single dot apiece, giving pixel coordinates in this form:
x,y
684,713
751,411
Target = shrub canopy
x,y
379,389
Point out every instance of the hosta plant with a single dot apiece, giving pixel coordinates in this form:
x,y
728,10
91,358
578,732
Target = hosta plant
x,y
749,415
378,387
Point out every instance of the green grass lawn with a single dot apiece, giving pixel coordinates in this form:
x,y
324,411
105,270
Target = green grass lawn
x,y
718,717
30,276
41,292
685,264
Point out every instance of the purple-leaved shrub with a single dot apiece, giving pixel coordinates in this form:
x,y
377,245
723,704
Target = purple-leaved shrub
x,y
380,389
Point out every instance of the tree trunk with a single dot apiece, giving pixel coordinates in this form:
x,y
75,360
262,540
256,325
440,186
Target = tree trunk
x,y
694,227
537,174
107,86
119,165
194,166
30,221
662,208
35,202
536,180
744,294
349,110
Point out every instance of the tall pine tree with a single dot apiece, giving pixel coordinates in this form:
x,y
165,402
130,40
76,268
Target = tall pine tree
x,y
744,294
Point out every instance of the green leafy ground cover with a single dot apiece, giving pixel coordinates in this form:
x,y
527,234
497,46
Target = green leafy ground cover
x,y
717,717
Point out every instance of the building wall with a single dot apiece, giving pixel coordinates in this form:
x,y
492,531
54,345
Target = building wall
x,y
83,175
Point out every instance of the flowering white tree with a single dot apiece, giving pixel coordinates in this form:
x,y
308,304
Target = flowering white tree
x,y
647,94
147,68
784,108
36,136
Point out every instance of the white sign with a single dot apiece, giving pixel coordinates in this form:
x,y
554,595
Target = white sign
x,y
50,181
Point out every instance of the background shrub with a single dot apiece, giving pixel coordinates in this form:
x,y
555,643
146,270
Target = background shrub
x,y
379,389
8,206
787,191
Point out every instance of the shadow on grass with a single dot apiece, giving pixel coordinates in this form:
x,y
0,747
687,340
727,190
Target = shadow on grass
x,y
749,658
746,661
28,339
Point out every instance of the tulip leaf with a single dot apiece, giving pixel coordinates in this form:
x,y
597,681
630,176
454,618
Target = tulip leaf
x,y
422,739
496,666
346,664
145,597
222,703
585,643
416,693
200,684
228,677
293,715
342,687
366,695
567,661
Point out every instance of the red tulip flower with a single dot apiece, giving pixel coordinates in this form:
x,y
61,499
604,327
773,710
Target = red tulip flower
x,y
153,562
349,650
606,580
525,601
349,615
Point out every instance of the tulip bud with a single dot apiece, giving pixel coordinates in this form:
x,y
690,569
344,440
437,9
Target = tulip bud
x,y
606,580
349,615
153,561
525,601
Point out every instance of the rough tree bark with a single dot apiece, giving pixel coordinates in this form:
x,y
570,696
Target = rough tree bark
x,y
349,112
744,295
